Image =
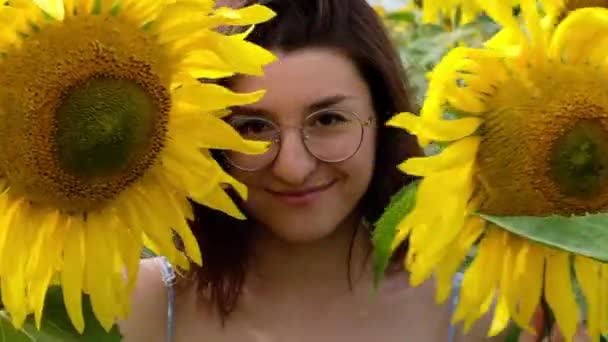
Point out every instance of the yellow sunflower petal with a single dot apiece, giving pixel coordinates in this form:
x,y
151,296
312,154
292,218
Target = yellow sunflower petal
x,y
130,244
501,12
533,25
138,10
239,187
187,98
554,7
501,317
466,99
454,156
173,216
479,84
20,235
152,222
437,130
54,8
506,40
219,200
249,15
559,293
507,302
476,313
588,276
98,271
84,6
453,260
44,266
212,133
250,59
206,64
68,7
578,33
480,279
201,179
13,22
603,302
528,283
73,272
431,245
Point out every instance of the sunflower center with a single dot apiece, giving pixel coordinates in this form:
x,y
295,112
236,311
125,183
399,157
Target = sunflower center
x,y
102,126
545,144
579,162
84,108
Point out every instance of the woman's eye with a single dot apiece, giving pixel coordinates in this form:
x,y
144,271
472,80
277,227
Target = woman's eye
x,y
254,128
329,119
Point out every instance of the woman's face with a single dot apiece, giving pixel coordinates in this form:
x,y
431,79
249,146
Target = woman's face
x,y
297,196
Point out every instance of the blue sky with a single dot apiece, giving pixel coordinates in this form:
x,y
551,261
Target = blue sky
x,y
389,4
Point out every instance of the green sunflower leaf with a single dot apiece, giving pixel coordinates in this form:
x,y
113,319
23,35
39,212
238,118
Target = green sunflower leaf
x,y
402,16
513,334
583,235
386,228
56,325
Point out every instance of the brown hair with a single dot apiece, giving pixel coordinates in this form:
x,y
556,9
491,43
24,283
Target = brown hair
x,y
353,28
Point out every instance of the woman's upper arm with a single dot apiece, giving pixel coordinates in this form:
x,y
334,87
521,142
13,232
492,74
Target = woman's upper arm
x,y
147,318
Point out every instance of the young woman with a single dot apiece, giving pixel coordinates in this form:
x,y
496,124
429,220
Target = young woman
x,y
299,269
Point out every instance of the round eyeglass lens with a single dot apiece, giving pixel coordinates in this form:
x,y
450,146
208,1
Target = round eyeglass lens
x,y
257,129
333,135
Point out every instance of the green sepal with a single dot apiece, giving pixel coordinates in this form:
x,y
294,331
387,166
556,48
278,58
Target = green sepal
x,y
385,228
582,235
56,325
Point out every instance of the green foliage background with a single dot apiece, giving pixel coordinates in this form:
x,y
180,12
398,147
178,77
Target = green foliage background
x,y
422,45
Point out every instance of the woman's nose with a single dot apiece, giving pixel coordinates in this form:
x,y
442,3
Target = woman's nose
x,y
293,163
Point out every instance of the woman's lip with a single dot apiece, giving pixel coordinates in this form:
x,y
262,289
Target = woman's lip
x,y
301,197
302,192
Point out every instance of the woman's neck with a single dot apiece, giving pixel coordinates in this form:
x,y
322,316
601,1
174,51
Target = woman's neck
x,y
320,269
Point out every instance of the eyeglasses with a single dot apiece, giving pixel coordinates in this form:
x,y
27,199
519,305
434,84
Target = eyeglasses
x,y
330,135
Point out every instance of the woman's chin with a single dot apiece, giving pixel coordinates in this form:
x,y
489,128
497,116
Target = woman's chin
x,y
301,233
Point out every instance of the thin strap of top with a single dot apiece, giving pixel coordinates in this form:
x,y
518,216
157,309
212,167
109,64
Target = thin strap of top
x,y
453,302
168,276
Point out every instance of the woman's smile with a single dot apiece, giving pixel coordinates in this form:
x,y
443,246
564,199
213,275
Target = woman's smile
x,y
302,196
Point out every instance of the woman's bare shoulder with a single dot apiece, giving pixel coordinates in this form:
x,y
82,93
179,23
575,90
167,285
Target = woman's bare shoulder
x,y
426,318
148,316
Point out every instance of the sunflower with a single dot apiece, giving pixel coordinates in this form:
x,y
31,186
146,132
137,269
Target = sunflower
x,y
446,12
553,12
526,135
559,8
104,136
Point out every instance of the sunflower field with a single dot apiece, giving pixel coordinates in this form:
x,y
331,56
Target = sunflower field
x,y
511,108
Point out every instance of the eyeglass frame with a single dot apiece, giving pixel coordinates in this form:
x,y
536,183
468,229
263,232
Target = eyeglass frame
x,y
369,122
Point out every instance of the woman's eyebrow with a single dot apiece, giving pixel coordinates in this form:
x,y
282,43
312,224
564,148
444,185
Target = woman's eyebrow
x,y
250,111
317,105
325,102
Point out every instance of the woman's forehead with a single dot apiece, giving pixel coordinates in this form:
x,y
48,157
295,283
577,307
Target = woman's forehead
x,y
307,80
